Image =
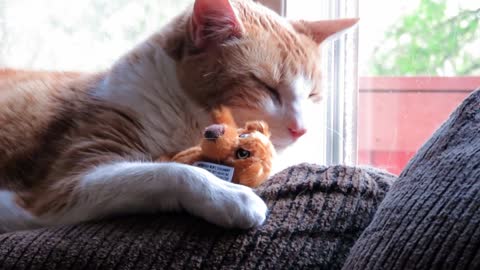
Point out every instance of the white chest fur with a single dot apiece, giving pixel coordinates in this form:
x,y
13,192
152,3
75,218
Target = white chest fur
x,y
149,86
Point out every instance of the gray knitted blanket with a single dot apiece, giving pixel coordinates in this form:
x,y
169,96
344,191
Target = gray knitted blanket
x,y
430,218
316,214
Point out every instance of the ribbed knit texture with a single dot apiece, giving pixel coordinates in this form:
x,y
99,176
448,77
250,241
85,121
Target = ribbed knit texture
x,y
316,214
430,219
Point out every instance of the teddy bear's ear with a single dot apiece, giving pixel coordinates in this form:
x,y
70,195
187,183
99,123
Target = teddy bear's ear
x,y
223,115
259,126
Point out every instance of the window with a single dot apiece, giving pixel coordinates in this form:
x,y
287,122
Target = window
x,y
416,67
77,35
418,59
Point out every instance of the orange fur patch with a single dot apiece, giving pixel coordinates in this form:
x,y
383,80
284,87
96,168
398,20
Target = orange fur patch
x,y
251,171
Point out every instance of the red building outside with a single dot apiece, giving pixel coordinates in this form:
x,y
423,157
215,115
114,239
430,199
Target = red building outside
x,y
396,115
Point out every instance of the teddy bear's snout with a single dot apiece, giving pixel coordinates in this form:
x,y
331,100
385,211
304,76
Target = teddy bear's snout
x,y
213,132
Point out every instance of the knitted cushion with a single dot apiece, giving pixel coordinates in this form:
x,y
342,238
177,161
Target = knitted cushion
x,y
316,214
430,219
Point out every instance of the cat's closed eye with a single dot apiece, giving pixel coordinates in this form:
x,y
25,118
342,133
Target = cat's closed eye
x,y
273,92
315,96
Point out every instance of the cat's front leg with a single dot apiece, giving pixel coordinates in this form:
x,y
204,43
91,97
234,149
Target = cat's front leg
x,y
221,202
132,187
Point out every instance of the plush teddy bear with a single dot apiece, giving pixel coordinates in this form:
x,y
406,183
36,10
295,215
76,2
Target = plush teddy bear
x,y
240,155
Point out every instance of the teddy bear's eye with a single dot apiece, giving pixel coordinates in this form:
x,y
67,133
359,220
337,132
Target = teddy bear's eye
x,y
244,135
242,154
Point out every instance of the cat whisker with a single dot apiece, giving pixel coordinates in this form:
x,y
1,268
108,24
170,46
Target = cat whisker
x,y
208,74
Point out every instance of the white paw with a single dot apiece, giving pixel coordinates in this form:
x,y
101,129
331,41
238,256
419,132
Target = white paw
x,y
239,208
226,204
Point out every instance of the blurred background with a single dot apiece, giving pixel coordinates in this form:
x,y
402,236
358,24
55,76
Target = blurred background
x,y
77,35
418,60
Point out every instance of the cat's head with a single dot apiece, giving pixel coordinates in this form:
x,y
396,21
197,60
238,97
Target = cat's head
x,y
261,65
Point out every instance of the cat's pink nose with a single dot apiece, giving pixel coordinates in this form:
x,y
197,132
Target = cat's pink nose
x,y
297,132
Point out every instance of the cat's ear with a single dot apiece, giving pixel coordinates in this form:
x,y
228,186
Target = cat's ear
x,y
319,31
213,22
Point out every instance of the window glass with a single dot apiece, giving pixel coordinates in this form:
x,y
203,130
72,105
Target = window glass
x,y
77,35
418,60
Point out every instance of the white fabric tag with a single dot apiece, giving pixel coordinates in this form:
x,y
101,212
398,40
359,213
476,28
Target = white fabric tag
x,y
220,171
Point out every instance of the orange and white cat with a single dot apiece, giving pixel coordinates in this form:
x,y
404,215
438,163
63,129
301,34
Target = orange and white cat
x,y
76,147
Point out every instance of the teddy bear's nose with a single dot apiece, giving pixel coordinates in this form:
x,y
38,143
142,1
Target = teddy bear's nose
x,y
214,132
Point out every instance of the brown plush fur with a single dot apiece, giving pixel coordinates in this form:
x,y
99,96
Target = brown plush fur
x,y
254,138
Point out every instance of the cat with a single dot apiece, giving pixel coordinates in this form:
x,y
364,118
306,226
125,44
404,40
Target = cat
x,y
76,146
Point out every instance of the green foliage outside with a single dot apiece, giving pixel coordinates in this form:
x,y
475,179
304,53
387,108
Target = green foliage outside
x,y
430,42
